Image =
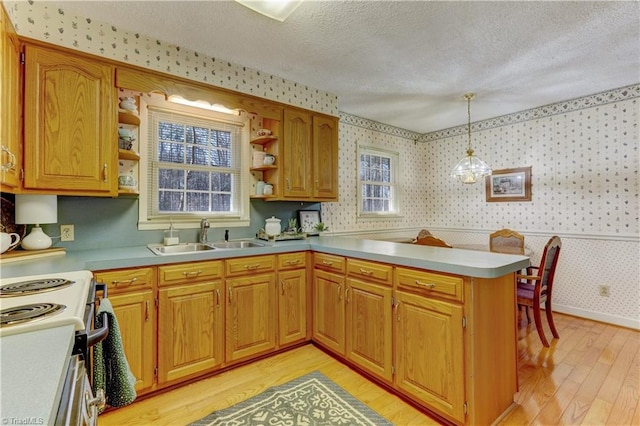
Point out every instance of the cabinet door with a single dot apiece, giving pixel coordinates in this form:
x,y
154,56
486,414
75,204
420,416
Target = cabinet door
x,y
429,350
325,158
328,312
251,316
135,312
11,155
369,327
190,330
70,124
292,302
296,154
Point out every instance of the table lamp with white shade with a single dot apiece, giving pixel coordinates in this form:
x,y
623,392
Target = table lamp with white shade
x,y
36,209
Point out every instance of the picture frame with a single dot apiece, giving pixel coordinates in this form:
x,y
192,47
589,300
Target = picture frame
x,y
307,220
509,185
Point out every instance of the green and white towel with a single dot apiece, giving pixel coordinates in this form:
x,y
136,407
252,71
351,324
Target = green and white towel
x,y
111,370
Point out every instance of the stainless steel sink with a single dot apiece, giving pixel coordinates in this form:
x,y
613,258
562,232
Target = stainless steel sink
x,y
184,248
236,244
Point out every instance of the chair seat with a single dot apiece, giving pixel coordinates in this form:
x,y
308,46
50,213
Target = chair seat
x,y
525,293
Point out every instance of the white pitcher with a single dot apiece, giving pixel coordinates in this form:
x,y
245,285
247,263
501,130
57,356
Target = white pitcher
x,y
8,241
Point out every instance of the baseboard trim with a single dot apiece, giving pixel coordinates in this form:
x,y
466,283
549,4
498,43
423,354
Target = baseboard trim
x,y
598,316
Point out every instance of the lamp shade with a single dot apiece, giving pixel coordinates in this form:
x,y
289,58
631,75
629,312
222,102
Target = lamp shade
x,y
36,209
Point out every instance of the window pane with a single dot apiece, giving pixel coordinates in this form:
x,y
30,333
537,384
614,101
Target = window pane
x,y
170,179
197,202
221,158
171,152
221,202
170,132
197,135
170,201
221,182
198,180
196,155
221,139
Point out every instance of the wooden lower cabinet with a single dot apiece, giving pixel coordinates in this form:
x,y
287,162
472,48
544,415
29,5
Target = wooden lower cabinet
x,y
368,327
251,316
429,353
135,312
328,310
190,330
132,295
292,306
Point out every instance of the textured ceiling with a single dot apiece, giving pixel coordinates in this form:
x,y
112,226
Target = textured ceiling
x,y
408,63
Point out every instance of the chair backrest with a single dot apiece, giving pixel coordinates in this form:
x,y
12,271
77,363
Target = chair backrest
x,y
548,264
506,241
423,233
430,240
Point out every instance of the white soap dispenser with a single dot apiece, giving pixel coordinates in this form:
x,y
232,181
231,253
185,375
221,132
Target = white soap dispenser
x,y
171,236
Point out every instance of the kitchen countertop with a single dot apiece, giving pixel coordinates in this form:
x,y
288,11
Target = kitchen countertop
x,y
455,261
33,367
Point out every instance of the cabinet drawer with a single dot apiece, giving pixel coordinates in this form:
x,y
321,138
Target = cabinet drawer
x,y
428,283
292,260
370,271
329,262
198,271
126,279
249,265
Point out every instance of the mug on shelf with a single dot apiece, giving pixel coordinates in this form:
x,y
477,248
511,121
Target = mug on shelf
x,y
127,181
263,132
258,158
269,160
8,241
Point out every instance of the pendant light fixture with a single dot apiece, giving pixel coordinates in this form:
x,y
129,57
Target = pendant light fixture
x,y
470,168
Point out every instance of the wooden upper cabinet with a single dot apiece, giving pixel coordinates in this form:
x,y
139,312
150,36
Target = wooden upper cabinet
x,y
296,154
325,158
11,154
70,125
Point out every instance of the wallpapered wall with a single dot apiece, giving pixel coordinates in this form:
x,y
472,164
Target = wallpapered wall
x,y
585,187
584,155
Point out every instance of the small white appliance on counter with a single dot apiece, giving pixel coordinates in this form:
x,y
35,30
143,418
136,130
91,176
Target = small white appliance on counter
x,y
45,334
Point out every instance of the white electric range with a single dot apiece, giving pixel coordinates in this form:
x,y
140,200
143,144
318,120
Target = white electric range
x,y
45,330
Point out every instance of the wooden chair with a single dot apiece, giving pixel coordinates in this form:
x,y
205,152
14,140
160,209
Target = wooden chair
x,y
423,233
506,241
430,240
535,289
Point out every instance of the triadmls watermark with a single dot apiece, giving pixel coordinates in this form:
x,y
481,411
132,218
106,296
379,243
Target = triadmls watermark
x,y
23,420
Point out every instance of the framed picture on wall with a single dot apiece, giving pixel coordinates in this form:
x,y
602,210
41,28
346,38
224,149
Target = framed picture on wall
x,y
509,185
307,220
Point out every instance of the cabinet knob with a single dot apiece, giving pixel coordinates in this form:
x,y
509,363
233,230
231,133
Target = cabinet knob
x,y
105,178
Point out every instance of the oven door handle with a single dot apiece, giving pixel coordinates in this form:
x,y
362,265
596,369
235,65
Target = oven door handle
x,y
98,335
103,288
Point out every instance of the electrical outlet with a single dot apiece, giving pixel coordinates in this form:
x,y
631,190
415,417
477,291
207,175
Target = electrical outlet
x,y
66,233
604,290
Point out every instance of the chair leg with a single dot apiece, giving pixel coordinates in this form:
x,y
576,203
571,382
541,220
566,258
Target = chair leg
x,y
552,326
526,309
538,321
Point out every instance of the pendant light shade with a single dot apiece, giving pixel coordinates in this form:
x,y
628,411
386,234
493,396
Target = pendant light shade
x,y
470,168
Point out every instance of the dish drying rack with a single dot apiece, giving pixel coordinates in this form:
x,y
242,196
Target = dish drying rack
x,y
262,235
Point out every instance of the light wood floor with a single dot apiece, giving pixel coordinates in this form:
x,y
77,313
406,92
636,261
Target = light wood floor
x,y
590,376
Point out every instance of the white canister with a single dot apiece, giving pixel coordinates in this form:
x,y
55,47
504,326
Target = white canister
x,y
258,158
260,188
268,189
273,228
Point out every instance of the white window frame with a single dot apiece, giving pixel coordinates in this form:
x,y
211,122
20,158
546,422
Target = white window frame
x,y
186,220
394,157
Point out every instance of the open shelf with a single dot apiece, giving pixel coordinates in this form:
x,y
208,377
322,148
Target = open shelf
x,y
127,117
263,197
263,140
126,154
263,168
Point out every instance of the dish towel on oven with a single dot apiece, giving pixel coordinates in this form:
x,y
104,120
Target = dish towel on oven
x,y
111,370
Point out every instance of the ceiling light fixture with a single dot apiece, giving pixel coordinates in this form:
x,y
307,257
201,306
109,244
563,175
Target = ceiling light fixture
x,y
470,168
274,9
202,104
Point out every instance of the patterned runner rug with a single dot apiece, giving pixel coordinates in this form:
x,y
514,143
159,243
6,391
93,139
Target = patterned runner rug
x,y
312,399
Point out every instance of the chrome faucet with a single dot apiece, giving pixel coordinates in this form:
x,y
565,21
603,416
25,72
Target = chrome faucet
x,y
204,227
226,235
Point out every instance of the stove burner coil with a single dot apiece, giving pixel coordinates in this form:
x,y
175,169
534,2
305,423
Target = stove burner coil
x,y
25,313
34,286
